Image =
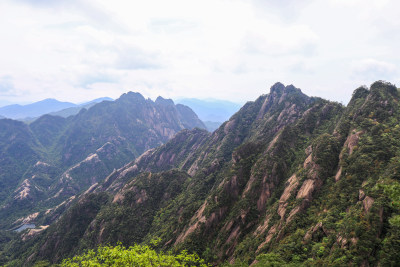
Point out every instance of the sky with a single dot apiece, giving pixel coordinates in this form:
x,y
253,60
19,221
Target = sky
x,y
77,50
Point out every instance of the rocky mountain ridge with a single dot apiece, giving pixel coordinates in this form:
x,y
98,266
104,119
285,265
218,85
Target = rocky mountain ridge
x,y
52,159
300,179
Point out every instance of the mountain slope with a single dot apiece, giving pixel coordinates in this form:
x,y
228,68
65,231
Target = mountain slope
x,y
18,151
290,176
127,118
207,158
65,156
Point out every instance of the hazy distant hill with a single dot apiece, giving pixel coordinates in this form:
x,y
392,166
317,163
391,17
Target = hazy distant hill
x,y
30,112
75,110
212,125
213,112
35,109
4,103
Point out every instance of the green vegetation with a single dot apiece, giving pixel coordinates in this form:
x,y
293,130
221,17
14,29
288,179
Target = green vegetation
x,y
137,255
52,159
289,180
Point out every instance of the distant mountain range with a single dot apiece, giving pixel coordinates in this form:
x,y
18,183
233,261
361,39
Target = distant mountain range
x,y
213,112
35,109
32,111
75,110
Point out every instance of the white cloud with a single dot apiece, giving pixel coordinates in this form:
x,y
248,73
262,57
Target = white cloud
x,y
372,69
81,49
6,86
277,40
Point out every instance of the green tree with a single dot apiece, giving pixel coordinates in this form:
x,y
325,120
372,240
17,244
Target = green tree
x,y
137,255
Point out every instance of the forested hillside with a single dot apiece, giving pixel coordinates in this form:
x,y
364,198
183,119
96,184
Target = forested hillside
x,y
46,163
288,179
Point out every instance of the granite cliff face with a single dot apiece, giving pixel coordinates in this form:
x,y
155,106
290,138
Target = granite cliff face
x,y
298,178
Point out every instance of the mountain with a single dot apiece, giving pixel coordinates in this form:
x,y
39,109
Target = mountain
x,y
213,112
49,106
52,159
4,103
288,179
18,152
212,125
95,101
75,110
33,110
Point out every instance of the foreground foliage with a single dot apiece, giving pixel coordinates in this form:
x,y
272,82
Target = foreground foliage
x,y
137,255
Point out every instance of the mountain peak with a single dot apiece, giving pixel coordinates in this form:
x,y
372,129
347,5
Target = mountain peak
x,y
49,100
291,88
277,88
280,88
384,87
164,101
135,96
279,94
379,91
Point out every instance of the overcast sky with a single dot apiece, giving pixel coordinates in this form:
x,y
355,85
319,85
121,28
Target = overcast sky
x,y
76,50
